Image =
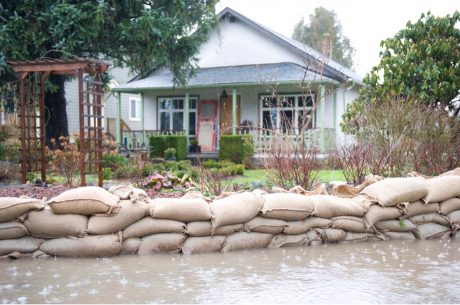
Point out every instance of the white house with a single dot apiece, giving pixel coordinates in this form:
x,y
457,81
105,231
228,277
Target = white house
x,y
247,74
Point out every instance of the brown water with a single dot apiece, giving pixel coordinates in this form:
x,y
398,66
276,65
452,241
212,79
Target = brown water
x,y
378,272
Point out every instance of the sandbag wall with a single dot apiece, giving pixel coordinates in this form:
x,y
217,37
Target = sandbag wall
x,y
92,222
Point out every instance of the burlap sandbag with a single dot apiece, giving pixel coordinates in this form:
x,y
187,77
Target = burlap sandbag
x,y
204,228
12,230
377,213
418,207
287,206
88,246
130,245
87,200
393,191
161,243
129,214
243,240
314,237
442,188
332,235
454,172
11,208
301,226
235,209
430,218
454,217
400,235
148,226
352,237
327,206
179,209
449,205
283,240
265,225
46,224
432,231
22,245
203,244
350,224
403,225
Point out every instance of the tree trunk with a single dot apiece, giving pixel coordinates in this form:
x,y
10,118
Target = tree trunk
x,y
56,114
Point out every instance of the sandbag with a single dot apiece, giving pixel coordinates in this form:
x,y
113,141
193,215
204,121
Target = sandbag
x,y
352,237
400,235
301,226
108,224
204,228
432,231
393,191
87,200
350,224
314,237
449,205
88,246
430,218
442,188
283,240
129,192
265,225
179,209
130,245
327,206
203,244
287,206
22,245
235,209
243,240
12,230
454,217
148,226
454,172
11,208
403,225
46,224
377,213
418,207
161,243
332,235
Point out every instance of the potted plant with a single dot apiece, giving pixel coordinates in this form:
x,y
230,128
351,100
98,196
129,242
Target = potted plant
x,y
194,147
170,154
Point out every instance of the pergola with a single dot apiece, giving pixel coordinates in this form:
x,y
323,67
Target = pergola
x,y
32,76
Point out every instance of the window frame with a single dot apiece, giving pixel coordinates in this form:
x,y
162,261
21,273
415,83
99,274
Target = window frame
x,y
137,109
171,111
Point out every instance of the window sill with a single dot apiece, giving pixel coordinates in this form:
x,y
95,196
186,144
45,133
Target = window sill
x,y
135,119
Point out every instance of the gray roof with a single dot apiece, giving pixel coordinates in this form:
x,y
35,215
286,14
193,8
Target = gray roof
x,y
278,73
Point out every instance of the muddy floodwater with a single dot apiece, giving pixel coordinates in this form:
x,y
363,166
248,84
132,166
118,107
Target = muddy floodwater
x,y
375,272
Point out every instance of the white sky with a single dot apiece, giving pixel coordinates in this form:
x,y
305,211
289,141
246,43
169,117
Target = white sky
x,y
366,23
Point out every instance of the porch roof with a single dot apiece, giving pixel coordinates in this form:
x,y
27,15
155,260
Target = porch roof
x,y
276,73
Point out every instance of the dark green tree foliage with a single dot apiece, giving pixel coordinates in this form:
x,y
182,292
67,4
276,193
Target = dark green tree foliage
x,y
139,34
321,22
422,61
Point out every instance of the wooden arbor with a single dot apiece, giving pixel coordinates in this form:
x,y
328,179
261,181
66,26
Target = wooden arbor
x,y
32,76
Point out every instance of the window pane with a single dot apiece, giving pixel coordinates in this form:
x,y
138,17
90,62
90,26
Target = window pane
x,y
269,119
208,110
288,101
305,101
269,102
303,119
164,121
192,104
192,122
133,108
178,121
287,120
178,104
165,104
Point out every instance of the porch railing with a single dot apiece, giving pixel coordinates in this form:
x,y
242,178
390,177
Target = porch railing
x,y
139,139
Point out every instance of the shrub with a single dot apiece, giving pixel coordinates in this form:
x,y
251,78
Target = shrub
x,y
106,173
128,171
113,161
64,160
10,152
237,148
170,154
158,145
8,171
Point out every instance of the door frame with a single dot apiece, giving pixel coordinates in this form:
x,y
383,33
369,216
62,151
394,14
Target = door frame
x,y
199,107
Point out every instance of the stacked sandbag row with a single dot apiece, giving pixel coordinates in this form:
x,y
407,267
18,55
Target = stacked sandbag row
x,y
90,221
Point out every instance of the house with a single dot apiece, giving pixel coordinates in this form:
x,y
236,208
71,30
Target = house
x,y
250,79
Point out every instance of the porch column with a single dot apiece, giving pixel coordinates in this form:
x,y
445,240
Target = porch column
x,y
322,120
186,116
334,119
142,118
234,116
118,118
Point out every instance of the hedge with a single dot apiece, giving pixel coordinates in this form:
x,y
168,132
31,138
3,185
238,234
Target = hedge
x,y
237,148
158,144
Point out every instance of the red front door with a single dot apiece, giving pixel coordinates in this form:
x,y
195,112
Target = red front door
x,y
207,117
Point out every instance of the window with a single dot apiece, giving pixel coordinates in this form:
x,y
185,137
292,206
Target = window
x,y
287,113
134,109
171,113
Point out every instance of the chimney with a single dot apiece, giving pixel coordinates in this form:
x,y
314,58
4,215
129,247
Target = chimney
x,y
327,48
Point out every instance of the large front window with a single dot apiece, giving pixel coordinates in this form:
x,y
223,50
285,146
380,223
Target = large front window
x,y
171,114
287,113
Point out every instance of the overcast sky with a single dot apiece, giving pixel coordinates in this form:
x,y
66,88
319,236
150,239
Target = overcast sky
x,y
365,22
